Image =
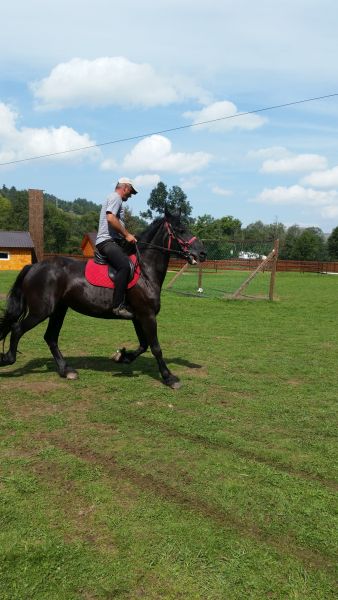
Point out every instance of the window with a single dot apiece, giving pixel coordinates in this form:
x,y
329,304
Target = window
x,y
4,255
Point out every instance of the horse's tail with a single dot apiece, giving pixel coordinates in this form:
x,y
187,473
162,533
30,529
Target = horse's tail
x,y
16,308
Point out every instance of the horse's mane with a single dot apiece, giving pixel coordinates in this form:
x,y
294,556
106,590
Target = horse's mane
x,y
150,231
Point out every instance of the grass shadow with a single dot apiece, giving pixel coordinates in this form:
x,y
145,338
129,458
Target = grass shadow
x,y
143,364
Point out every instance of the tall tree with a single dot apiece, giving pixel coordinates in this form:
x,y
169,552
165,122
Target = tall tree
x,y
19,211
205,226
256,231
310,245
156,201
287,247
230,226
57,229
174,199
5,213
177,200
332,244
134,223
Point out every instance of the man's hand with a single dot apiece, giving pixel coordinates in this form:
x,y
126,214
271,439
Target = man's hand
x,y
130,238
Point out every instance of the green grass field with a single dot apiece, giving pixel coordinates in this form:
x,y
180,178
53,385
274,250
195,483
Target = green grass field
x,y
222,284
114,486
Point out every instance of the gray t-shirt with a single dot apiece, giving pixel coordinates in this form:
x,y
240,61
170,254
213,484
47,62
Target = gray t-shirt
x,y
114,205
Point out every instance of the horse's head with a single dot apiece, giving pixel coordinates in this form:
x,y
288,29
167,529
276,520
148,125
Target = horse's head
x,y
182,241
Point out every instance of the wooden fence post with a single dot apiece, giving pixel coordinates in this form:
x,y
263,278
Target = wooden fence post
x,y
260,267
273,269
170,284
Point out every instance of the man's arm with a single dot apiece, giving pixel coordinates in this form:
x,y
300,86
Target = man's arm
x,y
119,228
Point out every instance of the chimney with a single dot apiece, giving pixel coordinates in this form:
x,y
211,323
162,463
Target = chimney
x,y
35,203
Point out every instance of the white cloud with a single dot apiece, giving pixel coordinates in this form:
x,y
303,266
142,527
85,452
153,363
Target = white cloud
x,y
232,38
220,113
330,212
326,202
111,81
25,142
297,195
273,152
325,179
154,153
109,164
189,183
147,181
295,164
221,191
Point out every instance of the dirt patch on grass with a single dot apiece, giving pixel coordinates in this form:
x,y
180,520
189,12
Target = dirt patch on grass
x,y
242,452
200,373
294,382
40,387
80,520
17,454
73,411
222,518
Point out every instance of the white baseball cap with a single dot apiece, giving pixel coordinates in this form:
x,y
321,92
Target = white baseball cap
x,y
124,180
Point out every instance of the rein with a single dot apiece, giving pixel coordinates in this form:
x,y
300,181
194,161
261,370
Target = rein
x,y
184,245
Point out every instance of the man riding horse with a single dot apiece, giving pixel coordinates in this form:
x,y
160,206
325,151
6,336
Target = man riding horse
x,y
110,235
45,290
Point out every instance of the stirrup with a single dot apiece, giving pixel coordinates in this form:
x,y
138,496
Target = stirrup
x,y
122,312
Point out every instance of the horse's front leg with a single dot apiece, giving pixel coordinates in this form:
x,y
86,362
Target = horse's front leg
x,y
150,329
51,338
128,356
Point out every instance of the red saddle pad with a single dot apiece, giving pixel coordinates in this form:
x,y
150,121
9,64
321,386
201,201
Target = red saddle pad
x,y
98,274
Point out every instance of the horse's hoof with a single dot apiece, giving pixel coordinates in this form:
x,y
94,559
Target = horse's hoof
x,y
173,382
176,385
120,356
117,356
5,361
72,375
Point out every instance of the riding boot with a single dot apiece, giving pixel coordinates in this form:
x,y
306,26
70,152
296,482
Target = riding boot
x,y
122,312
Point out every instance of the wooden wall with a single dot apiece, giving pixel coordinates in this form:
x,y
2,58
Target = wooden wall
x,y
88,249
19,257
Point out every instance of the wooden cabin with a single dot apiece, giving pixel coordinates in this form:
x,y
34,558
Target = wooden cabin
x,y
16,250
88,244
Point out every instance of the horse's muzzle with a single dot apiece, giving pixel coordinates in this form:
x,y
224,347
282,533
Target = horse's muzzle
x,y
193,259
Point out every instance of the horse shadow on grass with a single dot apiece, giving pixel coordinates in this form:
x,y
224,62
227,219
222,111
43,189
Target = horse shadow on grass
x,y
144,365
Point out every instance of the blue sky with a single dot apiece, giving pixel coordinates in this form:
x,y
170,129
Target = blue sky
x,y
79,73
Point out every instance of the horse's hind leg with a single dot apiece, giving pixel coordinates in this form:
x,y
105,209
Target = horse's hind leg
x,y
17,331
51,337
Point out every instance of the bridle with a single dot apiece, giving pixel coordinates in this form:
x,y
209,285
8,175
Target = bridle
x,y
184,245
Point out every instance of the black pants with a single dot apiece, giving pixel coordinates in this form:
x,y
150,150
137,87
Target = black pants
x,y
120,261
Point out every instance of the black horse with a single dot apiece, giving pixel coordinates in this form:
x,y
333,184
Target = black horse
x,y
49,288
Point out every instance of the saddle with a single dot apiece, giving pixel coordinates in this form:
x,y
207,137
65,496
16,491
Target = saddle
x,y
100,273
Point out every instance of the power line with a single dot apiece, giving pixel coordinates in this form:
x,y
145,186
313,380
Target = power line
x,y
143,135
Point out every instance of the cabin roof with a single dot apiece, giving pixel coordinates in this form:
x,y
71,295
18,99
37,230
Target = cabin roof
x,y
16,239
92,238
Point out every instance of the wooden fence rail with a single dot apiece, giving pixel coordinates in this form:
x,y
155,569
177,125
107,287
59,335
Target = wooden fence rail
x,y
214,266
300,266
